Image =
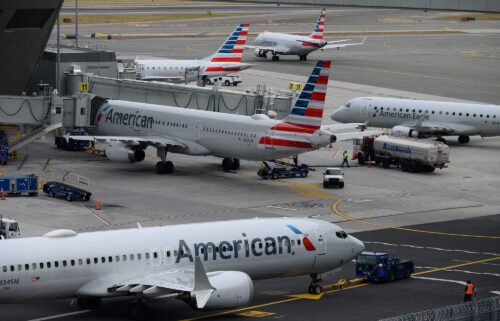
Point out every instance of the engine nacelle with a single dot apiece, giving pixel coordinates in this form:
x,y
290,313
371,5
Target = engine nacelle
x,y
232,289
260,53
333,139
403,131
117,152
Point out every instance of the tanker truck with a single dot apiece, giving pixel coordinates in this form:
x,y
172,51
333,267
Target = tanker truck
x,y
410,154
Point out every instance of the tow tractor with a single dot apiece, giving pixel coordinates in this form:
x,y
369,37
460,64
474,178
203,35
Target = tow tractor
x,y
382,267
9,229
283,169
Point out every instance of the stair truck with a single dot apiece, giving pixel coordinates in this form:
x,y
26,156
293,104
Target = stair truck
x,y
382,267
410,154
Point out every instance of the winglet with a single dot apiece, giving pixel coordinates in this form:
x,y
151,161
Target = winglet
x,y
202,288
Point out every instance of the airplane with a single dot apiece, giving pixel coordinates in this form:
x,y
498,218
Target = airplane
x,y
288,44
423,118
127,128
207,265
226,60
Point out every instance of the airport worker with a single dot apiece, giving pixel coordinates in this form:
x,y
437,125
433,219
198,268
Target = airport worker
x,y
345,157
469,290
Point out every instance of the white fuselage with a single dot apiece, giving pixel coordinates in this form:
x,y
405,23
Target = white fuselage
x,y
174,70
291,44
463,118
87,264
205,132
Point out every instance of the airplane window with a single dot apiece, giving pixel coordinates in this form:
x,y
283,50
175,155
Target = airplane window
x,y
80,262
124,258
56,264
88,261
64,263
298,242
168,253
459,114
420,111
72,262
41,265
110,259
467,114
481,115
293,242
400,109
33,266
164,68
447,113
487,116
175,252
117,258
19,267
413,110
12,268
26,267
394,109
96,260
153,68
4,268
131,257
48,265
433,112
103,259
202,250
474,115
494,116
426,111
381,108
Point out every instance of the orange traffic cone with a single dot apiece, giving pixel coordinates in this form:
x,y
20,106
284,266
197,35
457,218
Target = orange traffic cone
x,y
353,155
40,184
3,195
97,204
369,161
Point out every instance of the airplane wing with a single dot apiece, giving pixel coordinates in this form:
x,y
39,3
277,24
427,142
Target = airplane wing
x,y
130,141
435,128
274,49
352,135
335,127
337,45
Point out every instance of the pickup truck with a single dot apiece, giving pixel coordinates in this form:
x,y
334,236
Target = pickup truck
x,y
70,193
225,80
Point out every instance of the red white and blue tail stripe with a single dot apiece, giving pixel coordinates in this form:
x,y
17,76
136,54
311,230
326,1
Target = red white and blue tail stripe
x,y
232,49
307,112
318,27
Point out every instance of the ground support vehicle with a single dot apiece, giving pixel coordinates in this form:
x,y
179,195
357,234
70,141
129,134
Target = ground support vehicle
x,y
19,185
227,80
4,148
66,143
9,228
410,154
69,192
333,176
282,169
382,267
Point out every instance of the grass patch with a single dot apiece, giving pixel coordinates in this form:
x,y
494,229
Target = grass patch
x,y
90,18
478,16
137,3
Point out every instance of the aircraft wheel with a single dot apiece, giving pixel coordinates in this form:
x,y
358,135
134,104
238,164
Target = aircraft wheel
x,y
412,166
463,139
137,311
315,289
169,167
160,168
236,164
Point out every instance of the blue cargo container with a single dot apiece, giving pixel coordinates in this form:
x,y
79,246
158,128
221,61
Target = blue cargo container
x,y
19,185
4,148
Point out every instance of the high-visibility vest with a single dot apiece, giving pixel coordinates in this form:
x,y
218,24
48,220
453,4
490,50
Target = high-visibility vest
x,y
469,289
345,155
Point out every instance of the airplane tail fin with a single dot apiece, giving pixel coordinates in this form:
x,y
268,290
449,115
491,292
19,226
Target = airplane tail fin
x,y
232,49
318,27
307,112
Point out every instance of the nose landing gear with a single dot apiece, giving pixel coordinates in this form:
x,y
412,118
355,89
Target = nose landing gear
x,y
315,287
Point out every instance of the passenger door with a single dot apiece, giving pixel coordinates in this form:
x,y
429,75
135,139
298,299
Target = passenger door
x,y
320,242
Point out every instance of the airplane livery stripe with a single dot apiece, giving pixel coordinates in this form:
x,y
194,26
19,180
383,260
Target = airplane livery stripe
x,y
295,128
266,140
314,112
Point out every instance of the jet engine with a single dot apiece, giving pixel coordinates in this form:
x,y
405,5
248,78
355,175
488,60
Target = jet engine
x,y
232,289
403,131
118,152
260,53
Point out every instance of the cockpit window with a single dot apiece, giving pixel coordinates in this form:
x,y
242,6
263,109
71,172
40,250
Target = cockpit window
x,y
348,105
341,234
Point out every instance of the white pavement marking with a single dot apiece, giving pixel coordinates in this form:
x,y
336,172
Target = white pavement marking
x,y
461,271
432,248
441,280
283,208
492,264
60,315
495,292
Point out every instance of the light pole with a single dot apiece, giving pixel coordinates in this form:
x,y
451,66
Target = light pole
x,y
76,23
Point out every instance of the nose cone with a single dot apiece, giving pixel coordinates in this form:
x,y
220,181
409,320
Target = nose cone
x,y
357,246
337,114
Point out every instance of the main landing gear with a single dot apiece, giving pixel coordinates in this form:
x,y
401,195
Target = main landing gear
x,y
463,139
303,58
163,166
138,311
275,57
315,287
89,303
230,164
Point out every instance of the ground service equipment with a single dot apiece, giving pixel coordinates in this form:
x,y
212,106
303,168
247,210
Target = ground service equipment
x,y
382,267
4,148
19,185
67,143
70,193
9,228
333,176
282,169
410,154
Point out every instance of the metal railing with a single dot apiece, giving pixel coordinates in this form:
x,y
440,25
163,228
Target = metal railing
x,y
481,310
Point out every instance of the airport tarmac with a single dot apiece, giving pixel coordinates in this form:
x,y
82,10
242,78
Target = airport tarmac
x,y
447,220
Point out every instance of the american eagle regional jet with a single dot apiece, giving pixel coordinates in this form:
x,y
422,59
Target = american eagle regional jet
x,y
226,60
287,44
207,265
127,128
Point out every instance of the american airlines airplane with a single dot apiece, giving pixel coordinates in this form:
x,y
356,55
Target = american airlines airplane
x,y
288,44
422,118
127,128
226,60
207,265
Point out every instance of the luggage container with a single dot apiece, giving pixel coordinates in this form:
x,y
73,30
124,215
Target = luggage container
x,y
19,185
